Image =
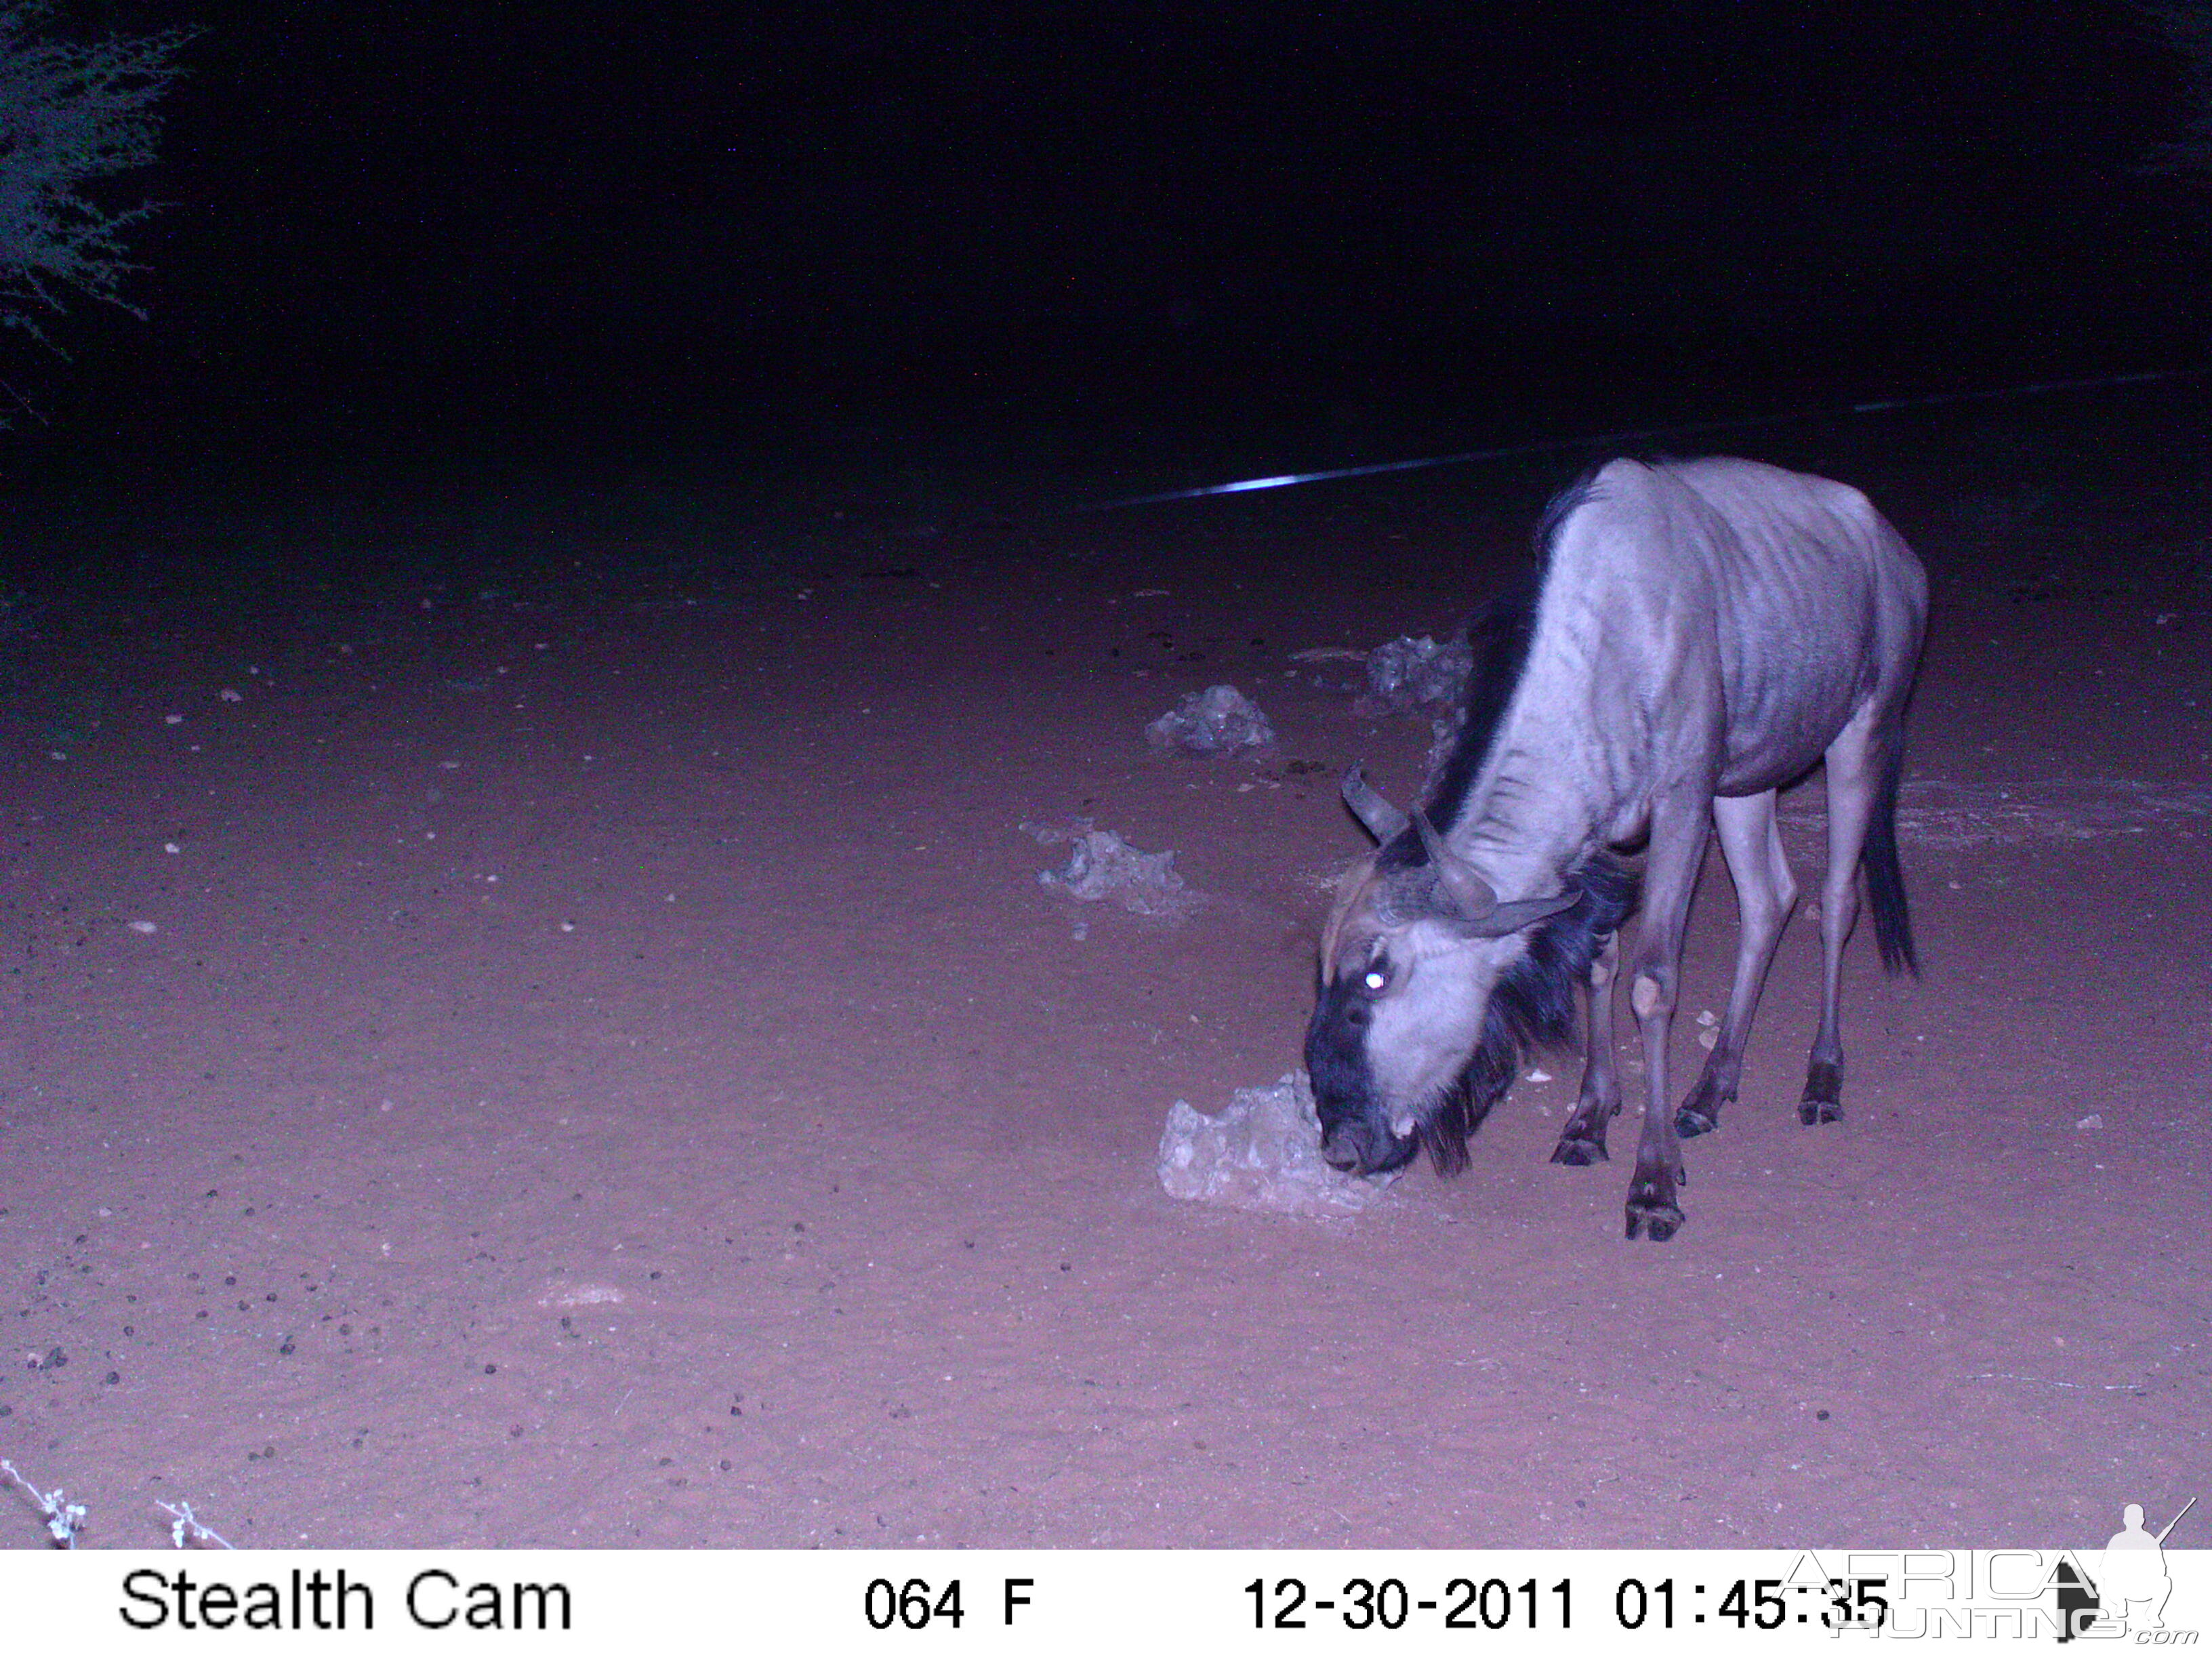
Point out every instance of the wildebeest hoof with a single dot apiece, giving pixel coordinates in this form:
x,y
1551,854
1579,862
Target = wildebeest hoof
x,y
1651,1208
1657,1222
1694,1121
1579,1151
1810,1112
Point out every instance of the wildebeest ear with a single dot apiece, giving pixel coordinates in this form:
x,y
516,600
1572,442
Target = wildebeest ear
x,y
1376,815
1514,914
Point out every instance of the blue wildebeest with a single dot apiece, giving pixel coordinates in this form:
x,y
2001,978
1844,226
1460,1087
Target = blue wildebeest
x,y
1695,635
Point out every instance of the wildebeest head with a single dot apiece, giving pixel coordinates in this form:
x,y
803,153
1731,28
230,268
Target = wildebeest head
x,y
1416,944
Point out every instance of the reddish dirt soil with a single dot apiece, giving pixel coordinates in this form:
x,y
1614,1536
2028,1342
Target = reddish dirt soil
x,y
602,1070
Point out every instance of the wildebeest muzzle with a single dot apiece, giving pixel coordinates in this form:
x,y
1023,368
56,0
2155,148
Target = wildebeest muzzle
x,y
1362,1145
1355,1135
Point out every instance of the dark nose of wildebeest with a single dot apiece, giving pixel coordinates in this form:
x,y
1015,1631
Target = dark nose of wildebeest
x,y
1358,1146
1355,1136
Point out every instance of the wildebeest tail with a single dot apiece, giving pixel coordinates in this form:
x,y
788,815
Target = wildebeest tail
x,y
1885,873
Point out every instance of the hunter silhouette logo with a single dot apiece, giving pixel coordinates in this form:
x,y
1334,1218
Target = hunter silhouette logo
x,y
2129,1590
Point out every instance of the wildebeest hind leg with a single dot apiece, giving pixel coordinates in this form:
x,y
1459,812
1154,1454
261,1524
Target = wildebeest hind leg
x,y
1764,894
1582,1143
1854,764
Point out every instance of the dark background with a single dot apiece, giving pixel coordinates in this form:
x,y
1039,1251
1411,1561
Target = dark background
x,y
408,228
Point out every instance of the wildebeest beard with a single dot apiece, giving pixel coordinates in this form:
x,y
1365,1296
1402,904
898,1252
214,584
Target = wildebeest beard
x,y
1532,1006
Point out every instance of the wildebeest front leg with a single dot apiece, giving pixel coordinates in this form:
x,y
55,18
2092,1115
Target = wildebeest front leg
x,y
1764,894
1679,826
1582,1143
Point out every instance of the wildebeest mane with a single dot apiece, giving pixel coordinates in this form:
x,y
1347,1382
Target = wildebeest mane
x,y
1499,635
1532,1006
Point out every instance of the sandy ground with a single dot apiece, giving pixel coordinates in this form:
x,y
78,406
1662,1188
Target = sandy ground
x,y
586,1059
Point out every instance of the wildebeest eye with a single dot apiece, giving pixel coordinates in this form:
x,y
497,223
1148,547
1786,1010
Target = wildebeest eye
x,y
1376,976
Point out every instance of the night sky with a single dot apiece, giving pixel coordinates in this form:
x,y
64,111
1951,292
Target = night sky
x,y
486,224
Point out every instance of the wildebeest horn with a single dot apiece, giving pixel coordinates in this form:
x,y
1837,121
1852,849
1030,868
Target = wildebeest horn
x,y
1474,904
1514,914
1376,815
1470,894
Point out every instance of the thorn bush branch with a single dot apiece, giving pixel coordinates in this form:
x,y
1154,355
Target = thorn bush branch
x,y
71,116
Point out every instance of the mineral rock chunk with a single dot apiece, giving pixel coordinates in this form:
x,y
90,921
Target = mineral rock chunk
x,y
1218,721
1263,1152
1102,867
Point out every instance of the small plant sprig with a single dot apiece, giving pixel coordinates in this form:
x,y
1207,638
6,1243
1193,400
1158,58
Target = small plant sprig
x,y
188,1525
63,1518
